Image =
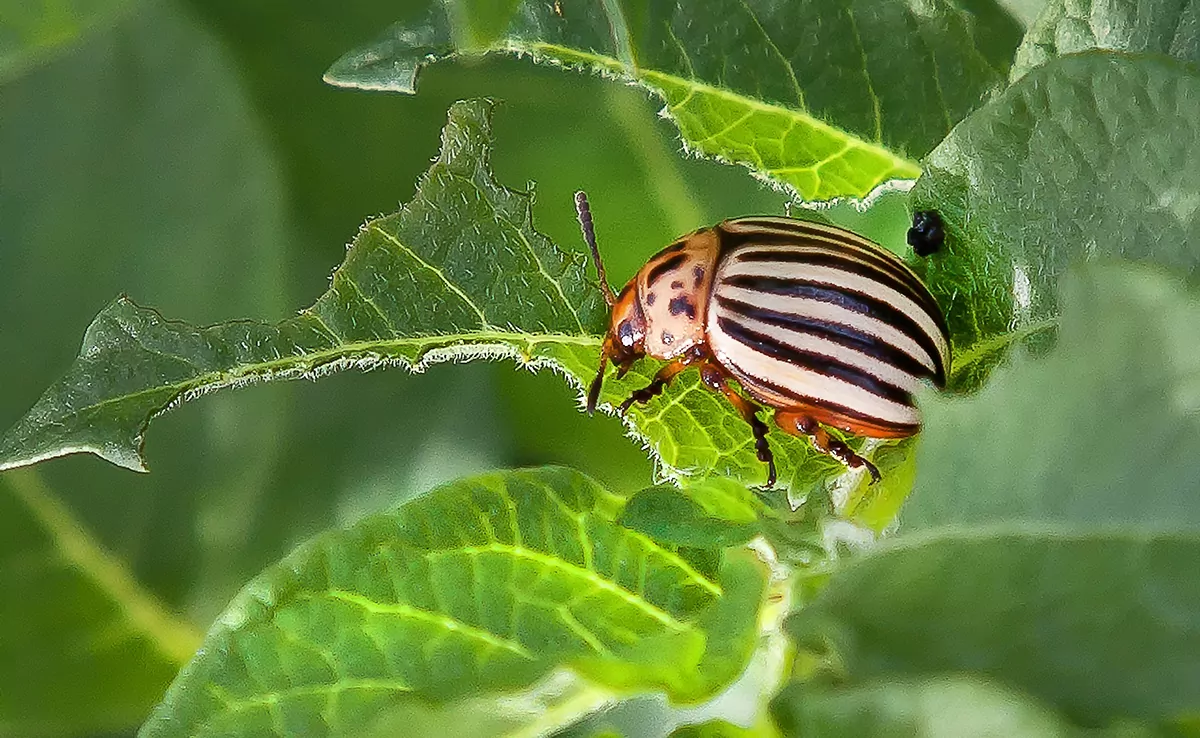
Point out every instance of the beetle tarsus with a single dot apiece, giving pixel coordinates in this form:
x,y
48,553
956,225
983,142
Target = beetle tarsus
x,y
797,423
645,394
656,386
844,454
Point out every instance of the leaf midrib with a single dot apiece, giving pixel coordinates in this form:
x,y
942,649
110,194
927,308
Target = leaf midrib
x,y
647,78
318,358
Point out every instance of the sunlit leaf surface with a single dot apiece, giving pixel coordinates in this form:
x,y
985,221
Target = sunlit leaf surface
x,y
828,98
481,587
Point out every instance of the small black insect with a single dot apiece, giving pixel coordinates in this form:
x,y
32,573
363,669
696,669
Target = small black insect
x,y
927,233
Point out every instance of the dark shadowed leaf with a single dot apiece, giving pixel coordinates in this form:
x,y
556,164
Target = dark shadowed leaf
x,y
1087,157
85,649
479,588
828,98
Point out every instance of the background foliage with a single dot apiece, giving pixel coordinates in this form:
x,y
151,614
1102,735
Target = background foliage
x,y
188,154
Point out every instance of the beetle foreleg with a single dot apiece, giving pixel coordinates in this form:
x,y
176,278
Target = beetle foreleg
x,y
718,380
656,386
802,424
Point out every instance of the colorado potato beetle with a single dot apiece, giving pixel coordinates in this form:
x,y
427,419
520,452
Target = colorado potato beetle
x,y
813,321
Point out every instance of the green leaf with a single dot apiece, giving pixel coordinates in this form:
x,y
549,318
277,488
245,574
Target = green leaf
x,y
938,707
459,273
1102,432
32,32
84,648
413,289
827,114
173,194
1100,624
713,513
723,729
1156,26
481,587
1089,157
1042,553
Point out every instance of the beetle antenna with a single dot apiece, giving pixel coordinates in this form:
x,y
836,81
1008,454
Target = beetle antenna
x,y
594,391
589,235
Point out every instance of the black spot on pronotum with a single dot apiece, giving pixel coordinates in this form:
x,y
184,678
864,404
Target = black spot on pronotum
x,y
927,232
667,338
698,275
677,284
681,305
650,298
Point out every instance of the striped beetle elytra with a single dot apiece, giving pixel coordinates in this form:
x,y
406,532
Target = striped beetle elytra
x,y
811,320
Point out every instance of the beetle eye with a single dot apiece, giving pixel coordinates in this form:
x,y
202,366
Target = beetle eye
x,y
625,334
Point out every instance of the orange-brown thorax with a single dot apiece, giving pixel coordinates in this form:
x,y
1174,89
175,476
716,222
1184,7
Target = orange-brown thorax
x,y
661,312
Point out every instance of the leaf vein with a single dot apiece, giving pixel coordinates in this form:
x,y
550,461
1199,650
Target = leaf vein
x,y
483,321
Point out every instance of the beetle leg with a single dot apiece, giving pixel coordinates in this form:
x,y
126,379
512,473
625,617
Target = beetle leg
x,y
660,381
715,378
799,423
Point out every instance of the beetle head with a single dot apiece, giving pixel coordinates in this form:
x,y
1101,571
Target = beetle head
x,y
625,341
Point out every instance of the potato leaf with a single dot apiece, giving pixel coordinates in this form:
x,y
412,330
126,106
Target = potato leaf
x,y
1065,27
830,99
32,32
1076,583
929,708
458,273
1090,156
1102,432
479,589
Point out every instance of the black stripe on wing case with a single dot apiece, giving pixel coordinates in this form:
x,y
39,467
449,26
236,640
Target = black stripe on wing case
x,y
819,363
903,283
765,232
839,333
842,410
854,301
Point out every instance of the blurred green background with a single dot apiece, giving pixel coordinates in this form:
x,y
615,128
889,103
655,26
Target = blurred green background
x,y
187,153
